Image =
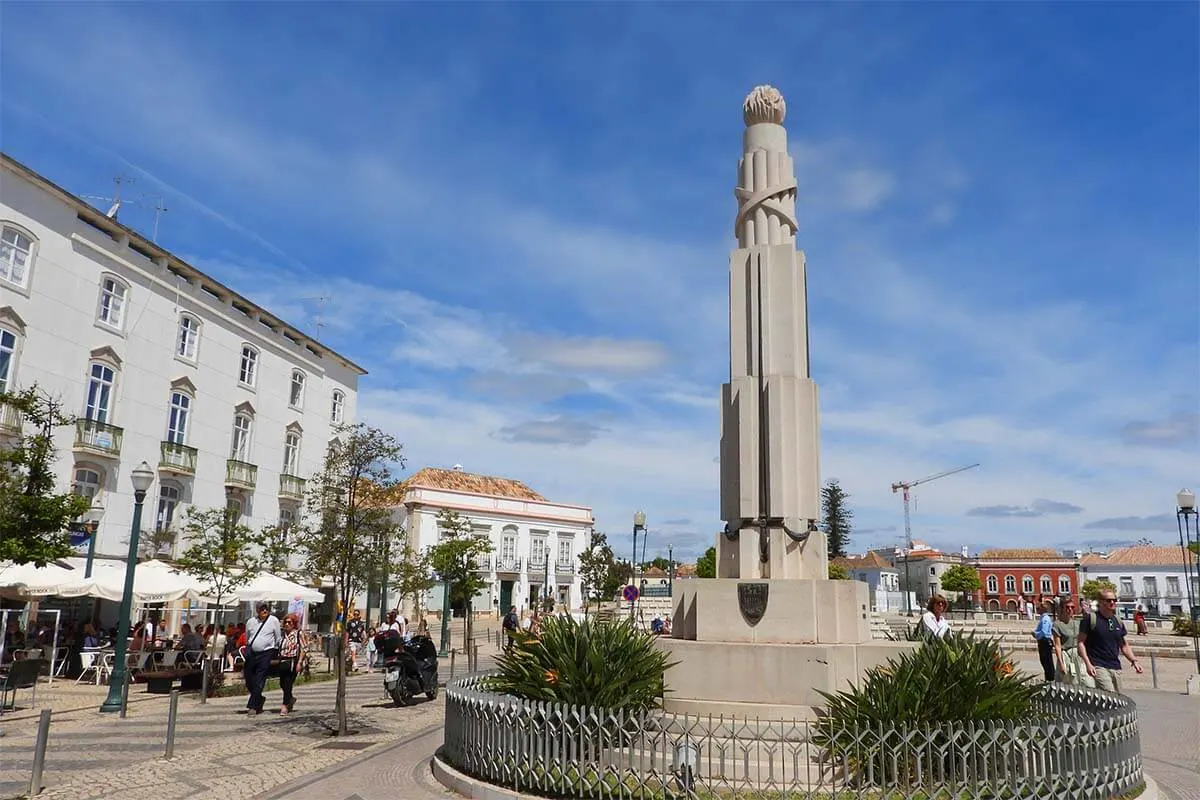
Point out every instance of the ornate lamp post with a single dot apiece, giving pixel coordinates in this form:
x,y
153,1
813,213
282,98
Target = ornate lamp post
x,y
639,524
142,478
1189,538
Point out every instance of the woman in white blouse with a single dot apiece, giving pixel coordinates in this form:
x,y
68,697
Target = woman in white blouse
x,y
935,624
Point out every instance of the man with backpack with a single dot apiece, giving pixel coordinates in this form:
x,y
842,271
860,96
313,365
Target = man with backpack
x,y
1102,642
510,626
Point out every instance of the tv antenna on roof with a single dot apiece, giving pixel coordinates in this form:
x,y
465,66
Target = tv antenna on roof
x,y
318,321
114,201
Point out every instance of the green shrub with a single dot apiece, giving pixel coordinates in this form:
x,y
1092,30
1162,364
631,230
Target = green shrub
x,y
601,664
1182,626
930,691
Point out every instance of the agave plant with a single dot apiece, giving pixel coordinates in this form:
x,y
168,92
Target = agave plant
x,y
933,694
600,664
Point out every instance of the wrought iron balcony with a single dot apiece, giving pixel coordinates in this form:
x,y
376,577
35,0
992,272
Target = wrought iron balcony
x,y
564,567
1173,593
240,474
291,487
482,564
99,438
510,564
10,419
177,458
537,562
1126,594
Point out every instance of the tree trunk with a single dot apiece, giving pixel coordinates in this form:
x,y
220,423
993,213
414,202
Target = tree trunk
x,y
339,664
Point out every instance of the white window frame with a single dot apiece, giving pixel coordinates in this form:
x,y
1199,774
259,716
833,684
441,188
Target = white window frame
x,y
8,368
291,453
187,338
80,487
337,413
296,389
537,544
993,584
9,232
168,503
1045,584
114,294
564,545
248,366
179,410
1064,584
242,437
1010,584
90,411
1027,585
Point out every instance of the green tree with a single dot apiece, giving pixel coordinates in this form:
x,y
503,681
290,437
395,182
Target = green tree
x,y
410,575
706,565
963,579
836,517
34,518
602,574
350,501
223,555
454,560
837,572
1091,589
657,561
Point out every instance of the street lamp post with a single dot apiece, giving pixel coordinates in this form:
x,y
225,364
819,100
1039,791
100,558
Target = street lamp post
x,y
904,584
444,648
671,574
142,477
639,524
1189,538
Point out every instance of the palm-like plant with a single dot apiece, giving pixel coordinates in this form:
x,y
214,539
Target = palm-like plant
x,y
599,664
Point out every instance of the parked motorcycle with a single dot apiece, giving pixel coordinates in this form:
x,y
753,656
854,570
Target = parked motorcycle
x,y
409,668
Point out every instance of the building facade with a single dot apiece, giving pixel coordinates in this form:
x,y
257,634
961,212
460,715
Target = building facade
x,y
535,543
1005,575
162,364
1150,576
921,570
880,576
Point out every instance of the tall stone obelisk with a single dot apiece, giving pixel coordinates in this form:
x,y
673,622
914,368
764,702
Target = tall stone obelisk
x,y
770,473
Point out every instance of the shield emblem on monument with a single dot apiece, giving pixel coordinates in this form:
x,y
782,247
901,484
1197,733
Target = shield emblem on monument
x,y
752,601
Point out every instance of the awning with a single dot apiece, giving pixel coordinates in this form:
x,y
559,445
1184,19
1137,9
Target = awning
x,y
269,588
153,581
27,582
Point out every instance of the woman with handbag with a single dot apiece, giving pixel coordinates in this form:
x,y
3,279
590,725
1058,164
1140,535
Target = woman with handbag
x,y
291,654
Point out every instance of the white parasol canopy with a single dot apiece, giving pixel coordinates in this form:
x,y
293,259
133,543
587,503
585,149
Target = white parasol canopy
x,y
28,582
269,588
153,582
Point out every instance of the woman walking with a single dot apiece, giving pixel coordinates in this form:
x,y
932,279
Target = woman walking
x,y
1069,668
292,653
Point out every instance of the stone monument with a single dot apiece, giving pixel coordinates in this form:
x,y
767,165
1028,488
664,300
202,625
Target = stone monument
x,y
771,629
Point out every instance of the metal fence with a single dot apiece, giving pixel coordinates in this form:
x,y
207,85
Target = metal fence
x,y
1082,744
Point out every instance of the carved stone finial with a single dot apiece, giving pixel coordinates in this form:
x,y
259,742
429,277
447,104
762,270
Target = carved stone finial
x,y
764,104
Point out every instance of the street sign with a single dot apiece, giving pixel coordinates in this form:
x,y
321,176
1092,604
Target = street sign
x,y
630,593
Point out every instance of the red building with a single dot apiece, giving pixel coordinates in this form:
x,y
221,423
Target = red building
x,y
1006,574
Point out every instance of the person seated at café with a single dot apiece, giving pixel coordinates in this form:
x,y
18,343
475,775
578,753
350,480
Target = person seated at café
x,y
90,639
189,640
14,640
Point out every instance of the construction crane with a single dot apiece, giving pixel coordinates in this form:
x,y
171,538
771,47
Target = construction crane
x,y
905,486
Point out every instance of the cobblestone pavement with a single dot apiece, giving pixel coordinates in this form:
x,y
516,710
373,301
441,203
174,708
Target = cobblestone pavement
x,y
218,752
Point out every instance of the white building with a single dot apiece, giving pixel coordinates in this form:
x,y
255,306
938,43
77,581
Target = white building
x,y
162,364
881,577
1151,576
535,543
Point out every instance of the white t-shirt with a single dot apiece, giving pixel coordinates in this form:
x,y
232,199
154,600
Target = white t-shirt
x,y
393,626
938,627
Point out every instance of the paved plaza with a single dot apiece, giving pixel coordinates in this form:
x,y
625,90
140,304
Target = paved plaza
x,y
222,754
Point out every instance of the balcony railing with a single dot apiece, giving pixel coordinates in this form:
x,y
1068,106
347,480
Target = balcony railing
x,y
537,562
564,567
510,564
1173,593
1126,594
177,458
291,487
240,474
98,437
10,419
483,564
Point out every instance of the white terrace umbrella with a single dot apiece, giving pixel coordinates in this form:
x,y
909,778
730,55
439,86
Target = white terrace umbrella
x,y
27,582
269,588
153,582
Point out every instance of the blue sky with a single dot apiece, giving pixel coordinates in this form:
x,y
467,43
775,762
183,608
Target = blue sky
x,y
522,215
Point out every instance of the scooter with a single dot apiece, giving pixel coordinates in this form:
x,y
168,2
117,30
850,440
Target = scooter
x,y
409,668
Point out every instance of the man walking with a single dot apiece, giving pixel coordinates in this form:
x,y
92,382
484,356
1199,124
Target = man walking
x,y
1102,642
356,633
263,640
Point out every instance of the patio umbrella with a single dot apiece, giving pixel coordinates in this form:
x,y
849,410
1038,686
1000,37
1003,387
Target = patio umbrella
x,y
29,582
269,588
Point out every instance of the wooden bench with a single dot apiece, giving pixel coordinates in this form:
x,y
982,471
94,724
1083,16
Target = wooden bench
x,y
159,681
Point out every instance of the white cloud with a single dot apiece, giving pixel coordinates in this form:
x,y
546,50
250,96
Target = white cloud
x,y
595,354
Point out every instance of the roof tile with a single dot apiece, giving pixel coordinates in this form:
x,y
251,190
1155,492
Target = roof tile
x,y
459,481
1140,555
1022,554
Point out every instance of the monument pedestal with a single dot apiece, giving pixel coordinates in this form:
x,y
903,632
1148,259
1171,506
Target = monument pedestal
x,y
811,636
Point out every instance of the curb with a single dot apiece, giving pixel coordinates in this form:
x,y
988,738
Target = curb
x,y
465,785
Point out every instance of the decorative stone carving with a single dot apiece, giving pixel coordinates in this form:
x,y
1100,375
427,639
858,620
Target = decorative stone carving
x,y
764,104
